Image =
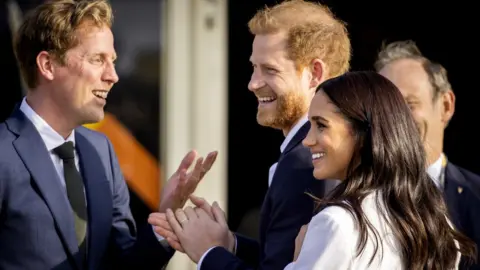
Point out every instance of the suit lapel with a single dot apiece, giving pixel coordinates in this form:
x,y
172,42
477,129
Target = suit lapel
x,y
266,206
455,183
298,138
98,197
32,150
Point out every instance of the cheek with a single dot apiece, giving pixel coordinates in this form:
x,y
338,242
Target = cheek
x,y
418,115
342,151
85,84
276,86
339,154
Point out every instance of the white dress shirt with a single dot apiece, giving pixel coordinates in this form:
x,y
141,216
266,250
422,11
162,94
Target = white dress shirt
x,y
331,242
287,140
332,237
51,138
435,171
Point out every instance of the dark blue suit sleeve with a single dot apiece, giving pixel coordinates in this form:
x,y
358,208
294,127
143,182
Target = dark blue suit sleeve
x,y
221,259
292,210
472,215
131,250
3,180
248,250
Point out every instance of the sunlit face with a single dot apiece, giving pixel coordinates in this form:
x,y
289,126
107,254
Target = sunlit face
x,y
282,91
412,80
83,83
330,139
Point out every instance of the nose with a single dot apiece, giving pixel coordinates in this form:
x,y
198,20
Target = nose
x,y
110,75
256,81
309,140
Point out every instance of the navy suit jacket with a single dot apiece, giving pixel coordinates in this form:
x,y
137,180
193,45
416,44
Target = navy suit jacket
x,y
285,209
462,195
36,221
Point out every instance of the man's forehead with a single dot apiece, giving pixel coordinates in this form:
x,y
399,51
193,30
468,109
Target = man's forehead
x,y
268,42
96,41
404,68
266,49
406,74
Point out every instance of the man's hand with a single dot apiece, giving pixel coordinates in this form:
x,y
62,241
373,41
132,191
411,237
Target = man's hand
x,y
163,228
181,185
197,232
299,241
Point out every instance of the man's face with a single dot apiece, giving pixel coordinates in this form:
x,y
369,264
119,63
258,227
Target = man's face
x,y
83,83
282,91
412,80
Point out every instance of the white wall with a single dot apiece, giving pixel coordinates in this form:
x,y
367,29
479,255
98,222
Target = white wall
x,y
195,93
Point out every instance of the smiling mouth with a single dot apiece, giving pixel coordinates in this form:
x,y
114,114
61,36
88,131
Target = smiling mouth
x,y
100,94
317,156
266,100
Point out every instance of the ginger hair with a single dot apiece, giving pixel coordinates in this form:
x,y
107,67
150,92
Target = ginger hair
x,y
312,32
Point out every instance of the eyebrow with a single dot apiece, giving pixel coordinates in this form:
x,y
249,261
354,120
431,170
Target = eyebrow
x,y
411,98
318,118
104,55
264,64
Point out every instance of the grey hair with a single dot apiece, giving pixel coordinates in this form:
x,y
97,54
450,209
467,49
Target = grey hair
x,y
399,50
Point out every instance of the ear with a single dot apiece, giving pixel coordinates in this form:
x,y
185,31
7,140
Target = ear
x,y
45,65
448,106
317,68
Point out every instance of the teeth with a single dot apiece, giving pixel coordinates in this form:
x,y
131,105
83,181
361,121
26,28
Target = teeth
x,y
100,93
266,99
317,155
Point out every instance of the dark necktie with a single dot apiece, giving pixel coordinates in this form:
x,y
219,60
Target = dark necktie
x,y
75,190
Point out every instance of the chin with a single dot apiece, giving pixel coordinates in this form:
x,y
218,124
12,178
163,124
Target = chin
x,y
265,119
319,174
94,118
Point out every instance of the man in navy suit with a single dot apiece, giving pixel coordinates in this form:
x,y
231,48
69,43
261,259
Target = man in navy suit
x,y
64,203
297,46
426,88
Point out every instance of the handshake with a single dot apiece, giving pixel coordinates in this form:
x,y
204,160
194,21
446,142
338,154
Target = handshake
x,y
193,230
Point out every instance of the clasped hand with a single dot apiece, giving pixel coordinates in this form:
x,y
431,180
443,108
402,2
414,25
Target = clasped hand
x,y
194,230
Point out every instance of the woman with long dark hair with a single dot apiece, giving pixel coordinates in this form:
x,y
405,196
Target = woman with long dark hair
x,y
387,213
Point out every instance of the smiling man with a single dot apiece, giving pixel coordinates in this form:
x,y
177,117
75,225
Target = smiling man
x,y
297,46
64,203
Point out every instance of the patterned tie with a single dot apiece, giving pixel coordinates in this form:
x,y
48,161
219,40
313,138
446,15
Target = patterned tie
x,y
75,190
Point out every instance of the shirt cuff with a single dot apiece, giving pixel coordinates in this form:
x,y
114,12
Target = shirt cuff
x,y
199,265
162,240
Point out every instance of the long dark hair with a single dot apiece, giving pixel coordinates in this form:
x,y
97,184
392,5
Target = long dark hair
x,y
392,163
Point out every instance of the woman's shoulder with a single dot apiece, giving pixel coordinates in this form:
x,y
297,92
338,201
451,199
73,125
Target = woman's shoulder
x,y
337,218
342,219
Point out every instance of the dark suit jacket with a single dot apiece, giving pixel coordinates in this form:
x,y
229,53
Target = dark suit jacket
x,y
36,222
285,209
462,195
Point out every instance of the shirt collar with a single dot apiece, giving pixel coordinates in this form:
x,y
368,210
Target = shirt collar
x,y
435,170
292,132
51,138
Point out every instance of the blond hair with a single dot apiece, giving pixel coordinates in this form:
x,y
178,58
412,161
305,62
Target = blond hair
x,y
407,49
52,27
313,32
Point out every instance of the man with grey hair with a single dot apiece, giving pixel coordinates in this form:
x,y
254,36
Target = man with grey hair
x,y
425,87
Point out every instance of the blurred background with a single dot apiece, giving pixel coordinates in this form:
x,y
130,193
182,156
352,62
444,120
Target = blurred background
x,y
184,69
